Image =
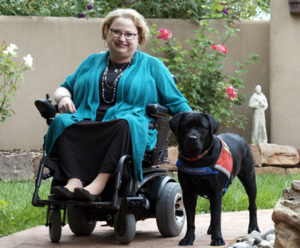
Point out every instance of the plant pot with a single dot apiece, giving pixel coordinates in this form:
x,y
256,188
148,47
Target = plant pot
x,y
294,7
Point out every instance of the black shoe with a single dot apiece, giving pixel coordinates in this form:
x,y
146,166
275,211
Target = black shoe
x,y
83,195
61,192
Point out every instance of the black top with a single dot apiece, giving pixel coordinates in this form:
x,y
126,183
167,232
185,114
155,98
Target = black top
x,y
113,72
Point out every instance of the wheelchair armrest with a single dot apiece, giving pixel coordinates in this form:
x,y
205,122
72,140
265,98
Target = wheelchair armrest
x,y
46,108
156,110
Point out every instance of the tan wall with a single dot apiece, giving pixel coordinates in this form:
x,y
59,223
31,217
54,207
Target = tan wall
x,y
284,75
58,45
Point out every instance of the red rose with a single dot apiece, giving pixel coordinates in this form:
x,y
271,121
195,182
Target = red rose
x,y
220,48
165,34
232,95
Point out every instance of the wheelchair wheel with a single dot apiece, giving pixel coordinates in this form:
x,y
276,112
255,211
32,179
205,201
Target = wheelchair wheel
x,y
54,225
79,224
169,209
125,228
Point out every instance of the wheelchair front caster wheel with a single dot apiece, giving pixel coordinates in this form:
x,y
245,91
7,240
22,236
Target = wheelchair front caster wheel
x,y
124,228
170,214
79,222
54,225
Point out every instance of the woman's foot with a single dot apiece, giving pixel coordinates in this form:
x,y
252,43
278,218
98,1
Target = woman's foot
x,y
67,191
82,194
73,183
61,192
98,184
92,191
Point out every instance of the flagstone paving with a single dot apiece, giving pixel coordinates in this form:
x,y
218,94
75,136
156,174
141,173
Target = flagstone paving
x,y
234,225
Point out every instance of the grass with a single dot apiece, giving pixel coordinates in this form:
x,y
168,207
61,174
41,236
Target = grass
x,y
269,190
16,210
17,213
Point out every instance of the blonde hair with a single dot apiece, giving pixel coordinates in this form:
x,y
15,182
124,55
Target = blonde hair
x,y
135,16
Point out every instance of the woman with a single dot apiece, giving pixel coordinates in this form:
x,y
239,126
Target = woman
x,y
104,108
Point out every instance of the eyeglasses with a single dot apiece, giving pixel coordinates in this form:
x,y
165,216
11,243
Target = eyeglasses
x,y
127,35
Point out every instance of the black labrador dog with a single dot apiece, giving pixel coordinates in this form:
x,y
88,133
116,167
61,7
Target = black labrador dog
x,y
206,165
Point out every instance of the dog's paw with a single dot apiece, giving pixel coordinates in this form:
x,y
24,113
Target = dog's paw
x,y
188,240
185,242
217,242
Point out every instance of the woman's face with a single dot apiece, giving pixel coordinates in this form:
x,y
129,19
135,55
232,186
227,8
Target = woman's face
x,y
122,39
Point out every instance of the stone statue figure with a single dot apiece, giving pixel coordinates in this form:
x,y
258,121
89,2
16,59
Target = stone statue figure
x,y
258,102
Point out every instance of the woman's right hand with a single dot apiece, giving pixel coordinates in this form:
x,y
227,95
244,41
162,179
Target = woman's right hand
x,y
66,105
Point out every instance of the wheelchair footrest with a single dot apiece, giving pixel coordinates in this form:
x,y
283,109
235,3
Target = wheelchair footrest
x,y
52,201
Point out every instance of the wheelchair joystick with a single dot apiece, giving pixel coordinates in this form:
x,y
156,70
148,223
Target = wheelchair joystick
x,y
48,98
46,108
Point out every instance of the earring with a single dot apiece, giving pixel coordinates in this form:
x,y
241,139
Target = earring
x,y
105,44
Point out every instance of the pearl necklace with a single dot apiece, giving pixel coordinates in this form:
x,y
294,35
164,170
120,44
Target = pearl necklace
x,y
115,83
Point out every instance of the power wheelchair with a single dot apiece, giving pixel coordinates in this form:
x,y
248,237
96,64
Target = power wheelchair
x,y
125,200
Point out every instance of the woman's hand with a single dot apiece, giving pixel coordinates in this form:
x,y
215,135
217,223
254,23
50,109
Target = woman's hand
x,y
66,105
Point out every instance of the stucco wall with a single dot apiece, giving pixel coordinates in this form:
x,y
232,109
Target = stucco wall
x,y
284,75
58,45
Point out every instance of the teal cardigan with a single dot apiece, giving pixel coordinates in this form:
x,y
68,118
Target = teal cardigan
x,y
146,81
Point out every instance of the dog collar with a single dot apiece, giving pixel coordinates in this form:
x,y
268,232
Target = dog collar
x,y
195,158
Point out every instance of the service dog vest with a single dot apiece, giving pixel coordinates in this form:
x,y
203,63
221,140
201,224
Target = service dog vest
x,y
223,165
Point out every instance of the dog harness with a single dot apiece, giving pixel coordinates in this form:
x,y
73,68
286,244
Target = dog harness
x,y
223,165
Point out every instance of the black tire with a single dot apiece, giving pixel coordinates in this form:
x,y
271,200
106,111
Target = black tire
x,y
79,223
124,228
54,225
170,215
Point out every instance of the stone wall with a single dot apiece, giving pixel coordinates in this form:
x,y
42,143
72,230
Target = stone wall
x,y
18,164
273,158
268,158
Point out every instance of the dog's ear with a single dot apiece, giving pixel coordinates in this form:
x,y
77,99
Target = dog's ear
x,y
213,123
174,122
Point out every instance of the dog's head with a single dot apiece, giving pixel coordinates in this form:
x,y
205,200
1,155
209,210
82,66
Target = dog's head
x,y
194,132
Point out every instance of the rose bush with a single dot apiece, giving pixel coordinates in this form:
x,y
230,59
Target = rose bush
x,y
11,72
200,70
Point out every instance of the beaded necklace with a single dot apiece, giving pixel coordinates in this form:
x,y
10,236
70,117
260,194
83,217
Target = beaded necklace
x,y
118,70
113,86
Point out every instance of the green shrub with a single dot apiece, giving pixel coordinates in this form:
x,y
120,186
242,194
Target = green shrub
x,y
11,72
186,9
54,8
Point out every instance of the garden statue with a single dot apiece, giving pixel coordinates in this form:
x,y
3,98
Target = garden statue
x,y
258,102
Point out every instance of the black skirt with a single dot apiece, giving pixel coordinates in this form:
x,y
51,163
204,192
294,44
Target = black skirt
x,y
87,148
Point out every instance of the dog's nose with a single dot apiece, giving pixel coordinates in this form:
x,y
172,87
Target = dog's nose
x,y
192,137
